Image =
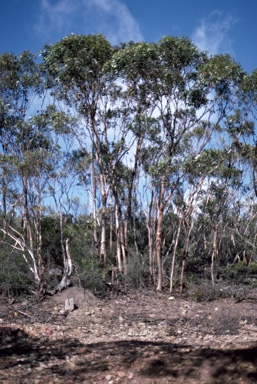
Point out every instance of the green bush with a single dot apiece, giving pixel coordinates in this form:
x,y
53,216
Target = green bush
x,y
198,294
241,269
252,268
137,270
15,278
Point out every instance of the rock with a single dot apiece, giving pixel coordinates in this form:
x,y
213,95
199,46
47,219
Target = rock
x,y
81,297
130,375
121,374
69,304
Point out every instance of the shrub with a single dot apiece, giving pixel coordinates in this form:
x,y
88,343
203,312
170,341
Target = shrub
x,y
15,278
241,269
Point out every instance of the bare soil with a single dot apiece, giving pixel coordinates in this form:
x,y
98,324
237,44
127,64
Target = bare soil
x,y
141,337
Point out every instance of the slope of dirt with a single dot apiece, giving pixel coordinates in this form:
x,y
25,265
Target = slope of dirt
x,y
143,337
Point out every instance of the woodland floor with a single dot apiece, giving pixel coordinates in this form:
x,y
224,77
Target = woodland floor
x,y
141,337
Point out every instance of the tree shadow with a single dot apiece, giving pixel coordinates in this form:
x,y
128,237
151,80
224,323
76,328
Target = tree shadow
x,y
71,359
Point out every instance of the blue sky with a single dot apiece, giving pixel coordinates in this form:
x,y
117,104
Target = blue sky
x,y
221,26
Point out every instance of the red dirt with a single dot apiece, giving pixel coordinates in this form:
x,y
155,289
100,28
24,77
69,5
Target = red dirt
x,y
143,337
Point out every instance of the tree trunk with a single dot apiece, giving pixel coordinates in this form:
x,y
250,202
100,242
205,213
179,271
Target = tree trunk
x,y
67,262
93,187
188,231
4,192
19,243
27,224
41,263
150,241
123,239
103,252
111,232
159,235
174,255
214,253
118,241
65,282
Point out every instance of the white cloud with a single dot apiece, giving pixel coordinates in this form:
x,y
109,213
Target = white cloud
x,y
109,17
124,27
212,34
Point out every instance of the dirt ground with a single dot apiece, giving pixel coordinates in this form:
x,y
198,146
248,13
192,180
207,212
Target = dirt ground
x,y
141,337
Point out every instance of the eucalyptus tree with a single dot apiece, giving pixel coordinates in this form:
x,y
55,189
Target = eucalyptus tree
x,y
182,96
241,125
27,152
133,65
76,66
79,67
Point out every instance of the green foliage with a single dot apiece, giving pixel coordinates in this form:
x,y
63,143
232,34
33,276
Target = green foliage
x,y
249,86
19,74
135,61
15,279
51,239
222,73
198,294
77,63
240,269
91,273
252,284
252,268
137,270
